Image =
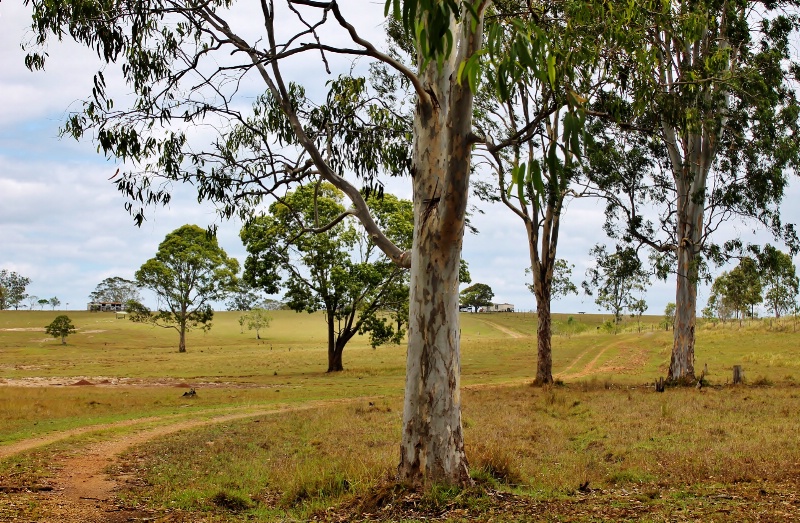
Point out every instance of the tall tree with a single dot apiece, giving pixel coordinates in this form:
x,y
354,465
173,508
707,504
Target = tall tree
x,y
742,288
533,172
32,300
54,302
12,289
335,268
115,290
189,271
618,279
243,297
779,279
710,86
185,63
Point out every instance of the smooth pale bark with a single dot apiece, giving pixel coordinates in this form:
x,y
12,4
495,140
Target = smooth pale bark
x,y
432,447
681,366
690,172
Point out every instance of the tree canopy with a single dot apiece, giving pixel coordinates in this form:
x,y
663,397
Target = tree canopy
x,y
188,272
308,244
618,279
117,290
476,296
12,289
60,327
779,279
702,127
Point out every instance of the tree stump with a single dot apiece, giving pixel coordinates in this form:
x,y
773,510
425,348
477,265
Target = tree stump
x,y
738,374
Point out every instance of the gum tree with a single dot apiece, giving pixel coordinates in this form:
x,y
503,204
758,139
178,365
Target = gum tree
x,y
186,64
533,172
617,279
115,289
707,128
12,289
779,279
308,244
188,272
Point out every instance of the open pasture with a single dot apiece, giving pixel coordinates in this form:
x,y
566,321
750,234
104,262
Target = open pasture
x,y
299,444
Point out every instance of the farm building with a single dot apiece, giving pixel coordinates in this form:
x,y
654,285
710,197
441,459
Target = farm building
x,y
500,307
105,306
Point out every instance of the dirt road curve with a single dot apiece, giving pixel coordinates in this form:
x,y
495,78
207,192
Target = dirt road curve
x,y
81,491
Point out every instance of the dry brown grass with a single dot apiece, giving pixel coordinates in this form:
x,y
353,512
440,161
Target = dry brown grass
x,y
547,444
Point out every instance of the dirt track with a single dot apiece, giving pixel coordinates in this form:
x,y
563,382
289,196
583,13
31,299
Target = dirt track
x,y
81,492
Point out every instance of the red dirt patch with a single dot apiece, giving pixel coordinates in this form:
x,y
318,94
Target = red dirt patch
x,y
81,383
183,386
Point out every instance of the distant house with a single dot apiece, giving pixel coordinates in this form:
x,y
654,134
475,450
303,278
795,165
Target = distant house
x,y
500,307
105,306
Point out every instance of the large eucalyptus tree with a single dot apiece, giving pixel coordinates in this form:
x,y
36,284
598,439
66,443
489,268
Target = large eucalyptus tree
x,y
708,88
187,63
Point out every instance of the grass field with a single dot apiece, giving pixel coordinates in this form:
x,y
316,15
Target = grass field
x,y
633,452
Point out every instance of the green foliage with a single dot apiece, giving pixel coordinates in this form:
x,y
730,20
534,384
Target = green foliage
x,y
258,319
779,278
115,289
308,244
12,289
188,272
463,273
727,83
561,284
242,297
61,327
669,316
42,302
743,286
54,302
617,278
476,295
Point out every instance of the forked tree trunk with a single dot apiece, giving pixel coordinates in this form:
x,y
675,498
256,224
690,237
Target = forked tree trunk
x,y
432,446
336,349
335,345
690,179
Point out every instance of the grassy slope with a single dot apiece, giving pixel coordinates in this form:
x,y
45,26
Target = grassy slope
x,y
547,441
236,369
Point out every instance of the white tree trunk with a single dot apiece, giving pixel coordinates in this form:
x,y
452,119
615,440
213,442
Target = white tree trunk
x,y
432,447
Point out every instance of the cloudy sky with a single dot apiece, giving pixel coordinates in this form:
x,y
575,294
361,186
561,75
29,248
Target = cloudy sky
x,y
63,224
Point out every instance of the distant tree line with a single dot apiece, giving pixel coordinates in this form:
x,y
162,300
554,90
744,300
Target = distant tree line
x,y
768,277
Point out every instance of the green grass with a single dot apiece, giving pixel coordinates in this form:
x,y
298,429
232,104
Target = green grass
x,y
289,363
603,426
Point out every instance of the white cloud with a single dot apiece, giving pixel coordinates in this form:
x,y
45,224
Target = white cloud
x,y
62,223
